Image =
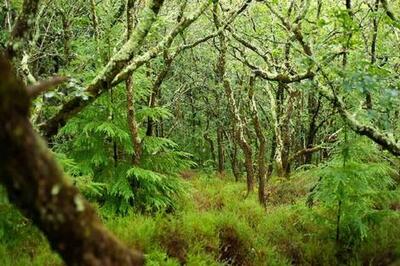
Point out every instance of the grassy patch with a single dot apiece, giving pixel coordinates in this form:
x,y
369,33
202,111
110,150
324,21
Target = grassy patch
x,y
215,224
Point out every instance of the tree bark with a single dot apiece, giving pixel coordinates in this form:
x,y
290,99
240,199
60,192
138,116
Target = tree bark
x,y
235,162
21,31
233,153
272,155
261,167
349,34
239,127
102,81
66,36
36,185
368,96
95,22
8,22
282,127
314,106
221,150
131,114
211,144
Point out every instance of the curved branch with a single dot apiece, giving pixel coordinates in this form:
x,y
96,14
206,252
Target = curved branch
x,y
102,81
385,141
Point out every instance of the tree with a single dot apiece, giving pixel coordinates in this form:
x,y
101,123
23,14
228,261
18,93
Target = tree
x,y
36,185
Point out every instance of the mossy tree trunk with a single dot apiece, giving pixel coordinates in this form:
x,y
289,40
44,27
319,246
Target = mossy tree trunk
x,y
21,32
130,93
234,155
261,164
238,122
36,185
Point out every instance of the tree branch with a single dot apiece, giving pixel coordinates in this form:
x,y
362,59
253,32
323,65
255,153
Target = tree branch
x,y
390,13
385,141
36,89
165,43
102,82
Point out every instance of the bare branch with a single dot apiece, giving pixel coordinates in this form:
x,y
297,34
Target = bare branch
x,y
280,77
43,86
305,151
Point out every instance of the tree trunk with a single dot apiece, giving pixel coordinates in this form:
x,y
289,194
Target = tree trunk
x,y
282,127
313,111
248,162
221,155
66,37
132,124
8,22
272,155
235,162
368,96
20,34
233,154
239,127
261,167
212,149
95,22
156,92
349,34
35,184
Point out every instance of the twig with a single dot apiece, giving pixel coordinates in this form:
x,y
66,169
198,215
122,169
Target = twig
x,y
45,85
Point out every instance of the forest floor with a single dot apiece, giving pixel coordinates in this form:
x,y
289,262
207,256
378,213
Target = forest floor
x,y
215,224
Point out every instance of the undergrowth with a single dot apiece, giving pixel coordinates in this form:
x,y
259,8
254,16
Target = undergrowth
x,y
214,224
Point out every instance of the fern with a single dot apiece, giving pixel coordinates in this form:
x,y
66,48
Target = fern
x,y
77,176
100,133
350,188
143,189
156,113
121,192
156,191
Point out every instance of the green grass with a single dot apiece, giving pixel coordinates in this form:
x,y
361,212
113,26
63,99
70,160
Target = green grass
x,y
215,224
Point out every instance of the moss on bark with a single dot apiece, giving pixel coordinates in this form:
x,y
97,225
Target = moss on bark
x,y
36,185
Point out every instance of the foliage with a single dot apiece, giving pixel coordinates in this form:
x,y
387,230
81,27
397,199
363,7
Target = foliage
x,y
355,188
104,168
214,210
325,72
